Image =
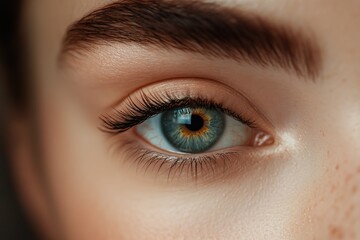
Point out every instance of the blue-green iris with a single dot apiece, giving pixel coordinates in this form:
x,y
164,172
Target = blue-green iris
x,y
192,130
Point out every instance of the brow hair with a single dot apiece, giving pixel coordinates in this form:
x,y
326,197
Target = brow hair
x,y
195,26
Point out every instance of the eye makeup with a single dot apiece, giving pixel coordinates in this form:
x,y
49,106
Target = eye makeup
x,y
180,97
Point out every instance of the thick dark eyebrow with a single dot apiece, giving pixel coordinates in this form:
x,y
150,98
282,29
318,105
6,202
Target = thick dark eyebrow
x,y
195,26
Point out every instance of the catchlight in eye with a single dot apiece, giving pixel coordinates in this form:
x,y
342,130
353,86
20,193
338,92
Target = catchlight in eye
x,y
192,130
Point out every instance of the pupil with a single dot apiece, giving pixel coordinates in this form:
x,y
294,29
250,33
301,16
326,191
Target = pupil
x,y
197,123
202,130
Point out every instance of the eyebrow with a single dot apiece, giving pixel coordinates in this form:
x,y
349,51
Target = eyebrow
x,y
195,26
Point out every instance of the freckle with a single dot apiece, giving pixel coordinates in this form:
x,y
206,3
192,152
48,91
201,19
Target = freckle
x,y
336,232
358,169
354,189
337,167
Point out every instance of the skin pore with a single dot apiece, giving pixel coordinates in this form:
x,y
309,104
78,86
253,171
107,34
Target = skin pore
x,y
304,184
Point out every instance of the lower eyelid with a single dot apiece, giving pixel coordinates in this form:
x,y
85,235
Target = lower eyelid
x,y
167,168
179,169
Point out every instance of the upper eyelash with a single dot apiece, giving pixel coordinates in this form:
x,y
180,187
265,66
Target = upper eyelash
x,y
150,105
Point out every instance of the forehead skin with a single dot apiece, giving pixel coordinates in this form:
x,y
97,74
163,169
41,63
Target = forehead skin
x,y
315,195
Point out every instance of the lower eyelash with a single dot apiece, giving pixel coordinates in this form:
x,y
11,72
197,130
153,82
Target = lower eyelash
x,y
193,168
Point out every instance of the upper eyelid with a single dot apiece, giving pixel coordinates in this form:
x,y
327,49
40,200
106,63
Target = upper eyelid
x,y
150,90
110,120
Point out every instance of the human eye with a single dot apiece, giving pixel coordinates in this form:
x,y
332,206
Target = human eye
x,y
183,131
200,126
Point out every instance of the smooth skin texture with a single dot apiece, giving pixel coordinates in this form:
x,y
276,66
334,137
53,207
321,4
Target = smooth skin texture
x,y
306,186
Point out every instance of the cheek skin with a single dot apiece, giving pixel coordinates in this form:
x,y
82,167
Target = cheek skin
x,y
332,210
341,218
